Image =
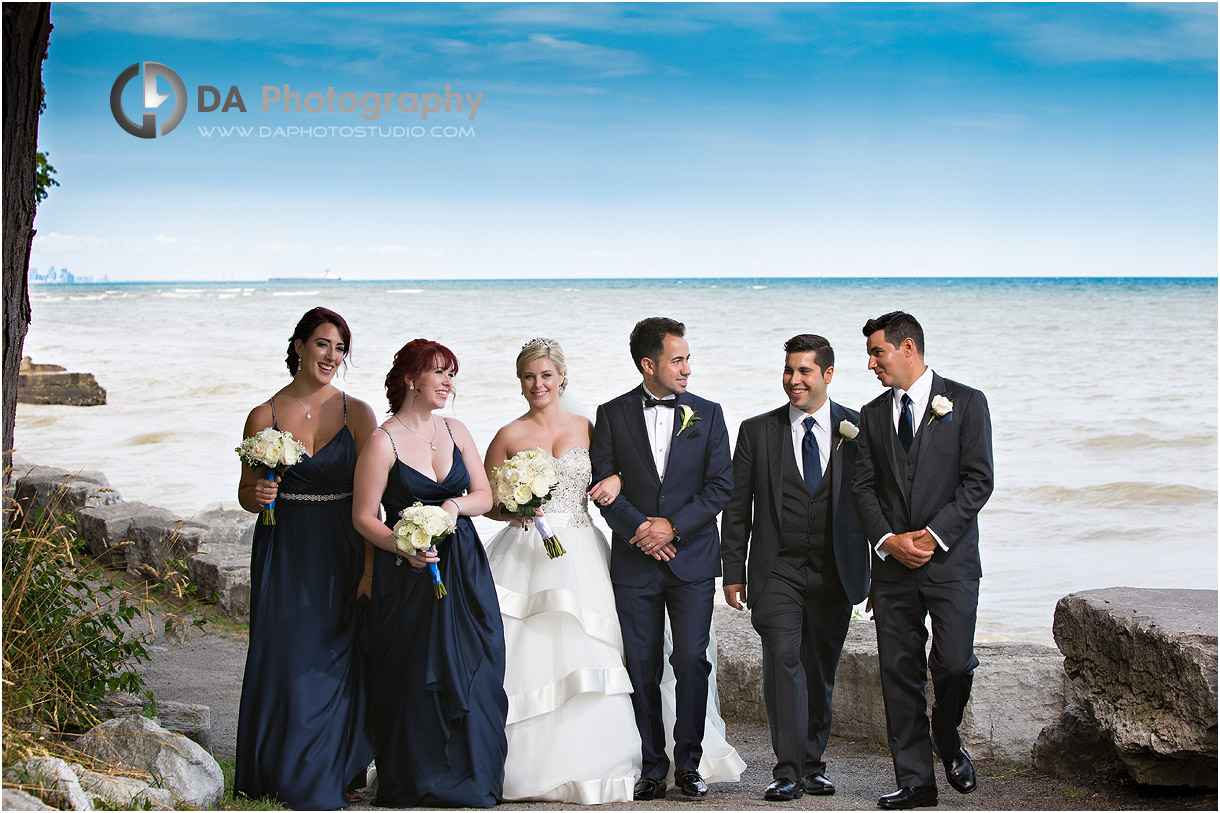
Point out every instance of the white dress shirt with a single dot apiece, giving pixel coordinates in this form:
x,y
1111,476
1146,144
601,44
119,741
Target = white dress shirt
x,y
659,421
821,433
920,393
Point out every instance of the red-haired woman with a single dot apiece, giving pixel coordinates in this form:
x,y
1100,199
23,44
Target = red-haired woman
x,y
436,665
302,735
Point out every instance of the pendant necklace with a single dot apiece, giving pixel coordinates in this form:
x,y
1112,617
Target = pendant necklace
x,y
417,434
304,409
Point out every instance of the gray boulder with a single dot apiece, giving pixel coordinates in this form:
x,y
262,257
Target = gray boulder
x,y
14,799
1142,662
59,490
156,540
221,571
227,523
124,792
857,708
1075,748
738,665
52,780
183,767
105,529
190,719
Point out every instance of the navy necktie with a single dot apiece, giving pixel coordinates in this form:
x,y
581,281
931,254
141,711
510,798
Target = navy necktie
x,y
811,458
906,424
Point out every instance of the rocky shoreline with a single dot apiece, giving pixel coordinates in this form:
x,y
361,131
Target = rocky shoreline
x,y
1131,707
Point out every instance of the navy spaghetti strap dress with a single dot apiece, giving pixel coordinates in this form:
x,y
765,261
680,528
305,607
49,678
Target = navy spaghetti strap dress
x,y
436,666
302,732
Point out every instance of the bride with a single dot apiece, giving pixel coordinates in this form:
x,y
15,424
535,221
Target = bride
x,y
571,729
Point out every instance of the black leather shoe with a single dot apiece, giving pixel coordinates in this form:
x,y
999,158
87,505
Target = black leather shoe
x,y
816,784
960,772
907,798
784,790
691,784
647,789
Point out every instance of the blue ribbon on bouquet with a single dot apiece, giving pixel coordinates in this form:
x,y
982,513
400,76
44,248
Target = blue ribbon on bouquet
x,y
269,508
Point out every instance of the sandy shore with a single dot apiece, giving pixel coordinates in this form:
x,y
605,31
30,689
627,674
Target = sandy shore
x,y
207,669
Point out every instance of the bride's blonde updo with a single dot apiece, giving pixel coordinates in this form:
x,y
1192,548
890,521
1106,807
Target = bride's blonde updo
x,y
541,348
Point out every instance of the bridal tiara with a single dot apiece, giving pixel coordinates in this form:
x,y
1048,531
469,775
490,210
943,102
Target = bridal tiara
x,y
551,343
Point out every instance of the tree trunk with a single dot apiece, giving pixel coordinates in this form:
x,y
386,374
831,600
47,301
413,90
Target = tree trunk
x,y
27,29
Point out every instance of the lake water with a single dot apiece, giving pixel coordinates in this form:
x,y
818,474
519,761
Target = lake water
x,y
1102,398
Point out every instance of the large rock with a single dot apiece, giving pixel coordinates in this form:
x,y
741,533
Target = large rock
x,y
191,719
158,540
184,768
52,489
227,524
51,780
1019,688
123,792
221,571
1143,664
1075,748
105,529
738,665
14,799
52,384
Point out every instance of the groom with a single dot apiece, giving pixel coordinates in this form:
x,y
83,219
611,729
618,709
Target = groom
x,y
671,451
924,470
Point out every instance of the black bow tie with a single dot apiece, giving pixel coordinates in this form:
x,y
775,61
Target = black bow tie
x,y
670,403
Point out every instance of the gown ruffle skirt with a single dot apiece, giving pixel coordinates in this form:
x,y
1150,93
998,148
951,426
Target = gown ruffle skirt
x,y
571,729
302,732
436,666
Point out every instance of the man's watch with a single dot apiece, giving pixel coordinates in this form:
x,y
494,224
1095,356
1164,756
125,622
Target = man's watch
x,y
674,528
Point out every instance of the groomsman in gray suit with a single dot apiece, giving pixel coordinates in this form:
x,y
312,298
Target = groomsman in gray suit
x,y
791,534
923,472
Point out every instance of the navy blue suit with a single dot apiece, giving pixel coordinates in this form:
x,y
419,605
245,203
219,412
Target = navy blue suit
x,y
697,486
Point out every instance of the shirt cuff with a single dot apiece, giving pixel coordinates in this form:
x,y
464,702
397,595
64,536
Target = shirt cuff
x,y
879,550
939,541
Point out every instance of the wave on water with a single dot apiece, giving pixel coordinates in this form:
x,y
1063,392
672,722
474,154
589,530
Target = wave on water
x,y
294,293
150,438
758,287
87,298
405,291
1122,492
1131,441
226,296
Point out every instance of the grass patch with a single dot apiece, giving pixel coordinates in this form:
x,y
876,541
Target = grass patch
x,y
231,802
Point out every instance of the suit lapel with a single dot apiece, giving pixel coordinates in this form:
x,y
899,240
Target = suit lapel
x,y
925,427
837,416
633,414
779,443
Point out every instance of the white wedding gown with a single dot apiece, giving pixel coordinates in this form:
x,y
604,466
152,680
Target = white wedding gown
x,y
571,730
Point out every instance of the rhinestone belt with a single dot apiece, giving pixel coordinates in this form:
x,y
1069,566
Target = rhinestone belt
x,y
286,495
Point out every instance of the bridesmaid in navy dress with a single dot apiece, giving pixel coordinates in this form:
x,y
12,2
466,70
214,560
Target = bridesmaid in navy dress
x,y
436,666
302,734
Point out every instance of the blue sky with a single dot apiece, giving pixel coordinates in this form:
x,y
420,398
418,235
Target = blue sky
x,y
642,140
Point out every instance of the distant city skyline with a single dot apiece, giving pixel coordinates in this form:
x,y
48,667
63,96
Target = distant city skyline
x,y
623,140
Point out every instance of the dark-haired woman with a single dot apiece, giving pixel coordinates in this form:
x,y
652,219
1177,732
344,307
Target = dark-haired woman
x,y
436,665
302,734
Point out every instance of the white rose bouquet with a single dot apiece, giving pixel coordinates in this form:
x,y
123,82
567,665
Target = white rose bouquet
x,y
419,528
274,451
523,485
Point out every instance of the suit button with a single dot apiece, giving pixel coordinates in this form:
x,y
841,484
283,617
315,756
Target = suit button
x,y
662,496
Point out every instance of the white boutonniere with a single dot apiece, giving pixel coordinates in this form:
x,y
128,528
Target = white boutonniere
x,y
847,432
941,406
688,417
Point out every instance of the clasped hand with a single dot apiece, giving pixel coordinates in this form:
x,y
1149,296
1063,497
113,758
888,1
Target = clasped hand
x,y
655,537
422,559
913,548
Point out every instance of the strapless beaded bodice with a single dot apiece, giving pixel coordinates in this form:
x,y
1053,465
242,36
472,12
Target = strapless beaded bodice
x,y
570,494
